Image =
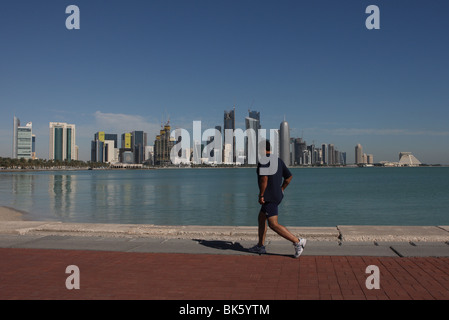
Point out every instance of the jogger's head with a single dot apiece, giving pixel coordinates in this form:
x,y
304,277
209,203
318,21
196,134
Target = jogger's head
x,y
267,157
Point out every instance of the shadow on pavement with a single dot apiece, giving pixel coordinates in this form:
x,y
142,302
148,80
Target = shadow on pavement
x,y
229,245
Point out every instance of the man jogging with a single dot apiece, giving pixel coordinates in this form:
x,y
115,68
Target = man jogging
x,y
271,193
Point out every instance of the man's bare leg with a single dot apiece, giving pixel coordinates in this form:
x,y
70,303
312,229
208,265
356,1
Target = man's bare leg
x,y
280,229
262,228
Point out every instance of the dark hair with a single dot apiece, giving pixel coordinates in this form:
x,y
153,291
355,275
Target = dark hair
x,y
265,144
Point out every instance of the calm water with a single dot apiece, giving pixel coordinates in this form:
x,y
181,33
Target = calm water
x,y
316,196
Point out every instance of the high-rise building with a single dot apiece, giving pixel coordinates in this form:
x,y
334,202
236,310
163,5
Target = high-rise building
x,y
139,142
252,140
229,123
62,141
336,157
197,152
135,143
104,147
217,153
292,151
163,145
331,157
126,148
284,143
343,158
324,154
300,148
312,154
22,145
227,152
149,154
359,154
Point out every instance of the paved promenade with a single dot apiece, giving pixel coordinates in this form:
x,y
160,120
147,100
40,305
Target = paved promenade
x,y
213,263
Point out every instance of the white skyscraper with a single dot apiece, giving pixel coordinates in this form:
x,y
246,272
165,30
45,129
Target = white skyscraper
x,y
62,141
359,154
22,145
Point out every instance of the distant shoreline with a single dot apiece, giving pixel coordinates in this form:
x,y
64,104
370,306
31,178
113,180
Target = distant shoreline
x,y
201,167
42,169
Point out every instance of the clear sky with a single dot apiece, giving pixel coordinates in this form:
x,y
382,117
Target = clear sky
x,y
132,64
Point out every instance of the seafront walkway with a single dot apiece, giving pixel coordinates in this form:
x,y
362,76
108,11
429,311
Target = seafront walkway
x,y
213,263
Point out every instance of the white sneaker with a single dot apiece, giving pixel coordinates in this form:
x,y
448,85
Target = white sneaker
x,y
257,249
299,247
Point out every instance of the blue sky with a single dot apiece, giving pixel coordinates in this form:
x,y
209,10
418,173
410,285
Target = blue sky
x,y
133,64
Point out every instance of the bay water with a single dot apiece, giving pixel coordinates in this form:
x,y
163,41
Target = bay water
x,y
229,196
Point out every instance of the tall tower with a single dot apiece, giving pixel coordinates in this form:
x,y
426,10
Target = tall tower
x,y
163,145
62,142
139,142
331,160
252,142
358,154
284,142
324,154
22,144
229,123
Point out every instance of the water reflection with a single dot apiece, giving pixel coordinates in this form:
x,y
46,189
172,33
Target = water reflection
x,y
23,189
62,192
316,197
119,197
159,197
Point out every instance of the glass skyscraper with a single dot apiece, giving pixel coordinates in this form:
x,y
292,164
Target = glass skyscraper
x,y
22,146
139,142
358,154
24,141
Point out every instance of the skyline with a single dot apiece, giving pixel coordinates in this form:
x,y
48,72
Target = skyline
x,y
291,158
133,65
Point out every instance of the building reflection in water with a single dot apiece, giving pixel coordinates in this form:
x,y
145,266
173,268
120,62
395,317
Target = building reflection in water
x,y
23,189
62,193
165,197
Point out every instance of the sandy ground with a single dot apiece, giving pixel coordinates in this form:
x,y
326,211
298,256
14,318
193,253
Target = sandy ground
x,y
10,214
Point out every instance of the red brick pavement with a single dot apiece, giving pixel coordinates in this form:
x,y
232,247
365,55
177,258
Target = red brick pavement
x,y
40,274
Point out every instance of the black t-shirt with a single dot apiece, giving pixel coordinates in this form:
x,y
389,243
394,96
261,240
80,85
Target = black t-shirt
x,y
273,192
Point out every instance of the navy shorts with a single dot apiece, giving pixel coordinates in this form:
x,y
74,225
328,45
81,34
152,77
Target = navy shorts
x,y
270,209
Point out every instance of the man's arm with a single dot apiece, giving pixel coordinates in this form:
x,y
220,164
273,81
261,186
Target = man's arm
x,y
286,182
263,182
